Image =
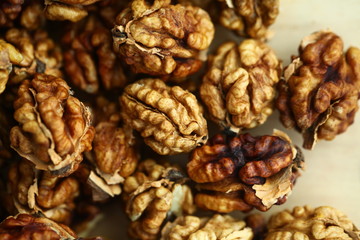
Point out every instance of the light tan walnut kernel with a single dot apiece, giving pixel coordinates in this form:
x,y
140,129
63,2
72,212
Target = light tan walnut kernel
x,y
249,18
322,223
161,39
169,119
320,91
240,85
217,227
54,127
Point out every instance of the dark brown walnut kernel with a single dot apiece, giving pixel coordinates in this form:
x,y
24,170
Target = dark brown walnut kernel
x,y
71,10
216,227
89,59
321,223
54,127
169,119
34,191
249,18
320,90
9,56
153,193
242,172
9,11
32,227
240,84
40,54
32,16
161,39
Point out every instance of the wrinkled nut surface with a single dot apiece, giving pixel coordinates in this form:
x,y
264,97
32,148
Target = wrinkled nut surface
x,y
9,55
40,54
161,39
195,228
242,172
9,11
54,127
72,10
169,119
36,191
249,18
89,59
313,224
240,84
321,88
152,194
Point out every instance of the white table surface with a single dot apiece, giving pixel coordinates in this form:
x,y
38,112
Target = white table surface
x,y
332,175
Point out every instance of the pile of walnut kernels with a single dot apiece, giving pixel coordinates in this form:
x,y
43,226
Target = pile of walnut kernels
x,y
92,92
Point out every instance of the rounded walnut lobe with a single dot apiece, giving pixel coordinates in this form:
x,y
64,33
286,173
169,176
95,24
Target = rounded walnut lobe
x,y
168,118
54,127
161,39
321,88
242,172
249,18
9,11
314,224
89,59
240,85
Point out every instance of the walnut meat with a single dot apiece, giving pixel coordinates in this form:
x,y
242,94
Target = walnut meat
x,y
36,191
216,227
72,10
320,91
168,118
249,18
9,11
89,59
9,55
240,85
41,54
242,172
28,227
162,39
54,127
152,193
313,224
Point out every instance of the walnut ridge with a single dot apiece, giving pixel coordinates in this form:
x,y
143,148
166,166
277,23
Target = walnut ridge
x,y
161,39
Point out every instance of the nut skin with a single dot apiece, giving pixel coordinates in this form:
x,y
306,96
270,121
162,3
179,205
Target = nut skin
x,y
9,55
89,59
9,11
40,54
168,118
249,18
320,89
216,227
36,191
314,224
153,193
233,172
31,227
239,87
161,39
54,127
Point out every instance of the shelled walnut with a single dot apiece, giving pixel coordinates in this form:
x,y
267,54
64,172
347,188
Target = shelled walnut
x,y
240,85
35,191
114,153
6,122
168,118
153,193
216,227
89,59
28,227
54,127
320,92
161,39
9,11
40,54
242,172
249,18
9,56
72,10
313,224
